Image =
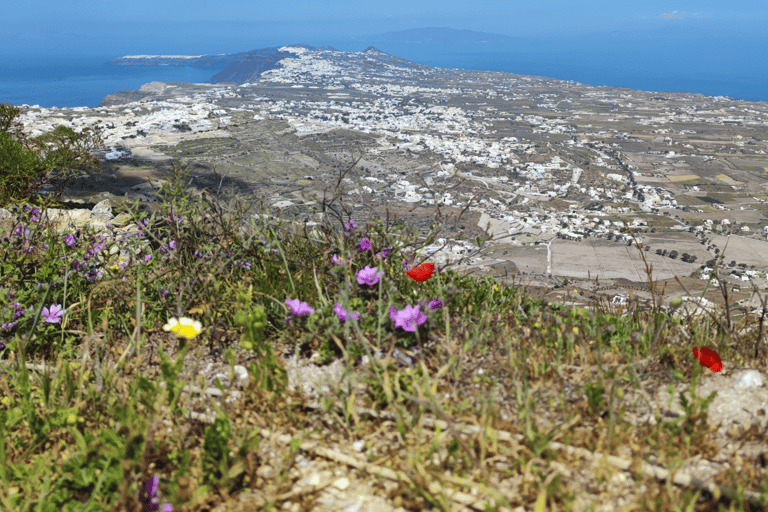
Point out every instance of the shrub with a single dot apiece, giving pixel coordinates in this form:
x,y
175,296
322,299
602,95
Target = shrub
x,y
27,163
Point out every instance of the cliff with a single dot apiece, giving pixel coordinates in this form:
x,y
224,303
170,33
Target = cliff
x,y
256,62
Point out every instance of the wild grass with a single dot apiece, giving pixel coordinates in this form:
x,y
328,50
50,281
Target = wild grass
x,y
493,400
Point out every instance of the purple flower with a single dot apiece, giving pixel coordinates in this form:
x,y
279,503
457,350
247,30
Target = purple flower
x,y
91,278
199,254
165,248
299,308
407,318
147,258
9,325
336,260
151,498
343,314
96,248
54,314
365,244
350,226
435,304
246,264
384,253
150,486
369,276
2,345
165,293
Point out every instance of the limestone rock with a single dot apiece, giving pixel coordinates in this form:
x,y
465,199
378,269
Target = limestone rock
x,y
749,379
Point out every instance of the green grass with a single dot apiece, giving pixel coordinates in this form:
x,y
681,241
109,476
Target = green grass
x,y
497,378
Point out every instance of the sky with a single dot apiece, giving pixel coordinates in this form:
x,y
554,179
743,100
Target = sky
x,y
190,27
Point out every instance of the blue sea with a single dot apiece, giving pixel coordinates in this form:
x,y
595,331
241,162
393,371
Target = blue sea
x,y
720,67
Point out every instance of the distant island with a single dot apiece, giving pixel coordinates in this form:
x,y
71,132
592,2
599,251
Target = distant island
x,y
249,66
437,35
192,61
235,66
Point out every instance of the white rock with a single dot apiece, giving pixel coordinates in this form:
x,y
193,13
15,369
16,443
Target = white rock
x,y
223,379
341,483
749,379
266,471
241,375
355,507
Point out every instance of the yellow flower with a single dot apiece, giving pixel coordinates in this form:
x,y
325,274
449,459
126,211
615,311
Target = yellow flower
x,y
186,327
71,418
537,325
116,266
574,293
575,330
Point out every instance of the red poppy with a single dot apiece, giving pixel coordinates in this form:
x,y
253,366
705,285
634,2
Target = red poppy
x,y
422,272
709,358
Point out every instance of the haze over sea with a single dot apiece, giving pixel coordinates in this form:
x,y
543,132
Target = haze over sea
x,y
730,61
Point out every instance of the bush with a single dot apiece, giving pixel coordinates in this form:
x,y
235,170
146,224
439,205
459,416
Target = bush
x,y
28,163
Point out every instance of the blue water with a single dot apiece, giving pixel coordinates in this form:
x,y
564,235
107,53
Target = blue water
x,y
84,84
721,66
724,67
